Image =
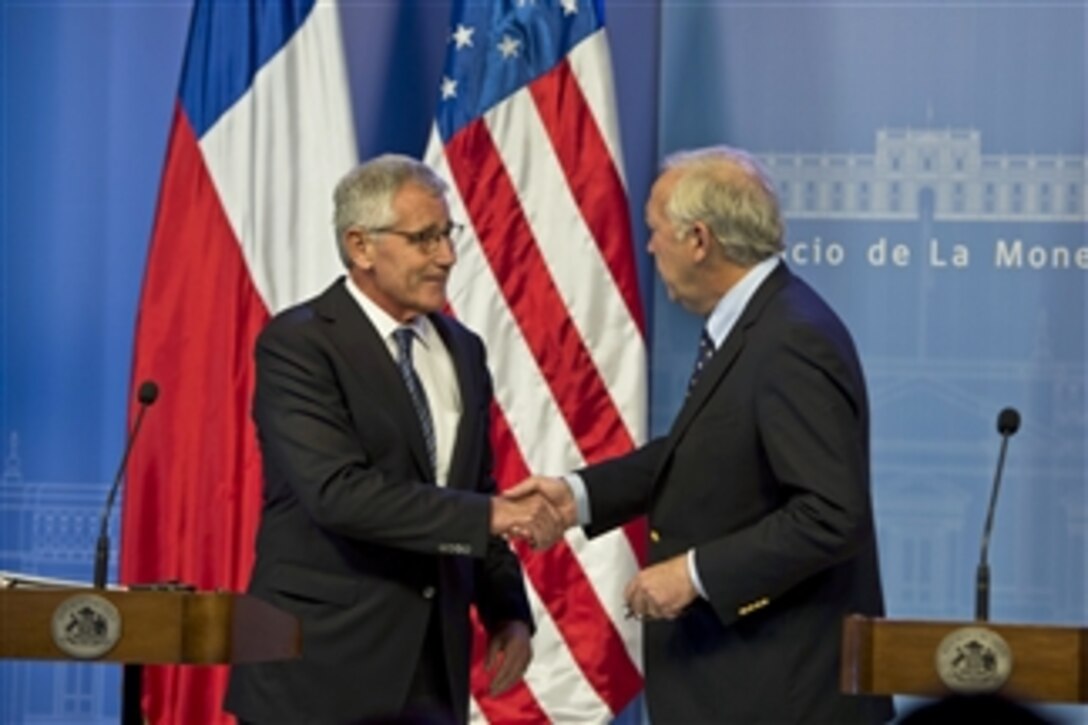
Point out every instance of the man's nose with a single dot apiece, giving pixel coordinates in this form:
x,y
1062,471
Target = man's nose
x,y
446,253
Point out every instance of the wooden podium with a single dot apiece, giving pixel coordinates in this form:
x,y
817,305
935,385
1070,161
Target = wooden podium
x,y
156,627
889,657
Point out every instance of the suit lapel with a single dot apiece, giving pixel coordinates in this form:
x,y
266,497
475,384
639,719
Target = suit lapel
x,y
715,371
357,338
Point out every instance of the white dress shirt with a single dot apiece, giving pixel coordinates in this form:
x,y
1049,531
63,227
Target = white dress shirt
x,y
433,365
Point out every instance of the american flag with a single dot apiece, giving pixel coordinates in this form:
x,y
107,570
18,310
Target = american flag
x,y
526,133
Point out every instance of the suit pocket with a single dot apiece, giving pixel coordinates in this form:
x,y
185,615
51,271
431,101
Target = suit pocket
x,y
299,582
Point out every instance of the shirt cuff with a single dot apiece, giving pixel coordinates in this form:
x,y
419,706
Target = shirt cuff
x,y
693,572
581,496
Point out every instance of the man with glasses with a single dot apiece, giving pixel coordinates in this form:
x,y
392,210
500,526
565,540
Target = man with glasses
x,y
379,524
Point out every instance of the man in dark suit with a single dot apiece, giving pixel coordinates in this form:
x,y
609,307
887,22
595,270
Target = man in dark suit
x,y
761,525
379,522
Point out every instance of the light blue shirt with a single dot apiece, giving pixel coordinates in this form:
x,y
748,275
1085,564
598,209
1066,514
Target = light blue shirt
x,y
719,323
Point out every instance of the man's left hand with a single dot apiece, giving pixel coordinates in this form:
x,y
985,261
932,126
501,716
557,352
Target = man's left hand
x,y
509,651
661,591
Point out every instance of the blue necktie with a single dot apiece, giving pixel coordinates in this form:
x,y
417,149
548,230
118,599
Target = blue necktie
x,y
403,337
706,351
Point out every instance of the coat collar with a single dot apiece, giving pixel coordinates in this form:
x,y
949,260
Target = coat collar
x,y
724,357
358,339
355,335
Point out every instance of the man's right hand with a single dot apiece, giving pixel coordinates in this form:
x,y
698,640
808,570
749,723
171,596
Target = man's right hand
x,y
531,517
557,494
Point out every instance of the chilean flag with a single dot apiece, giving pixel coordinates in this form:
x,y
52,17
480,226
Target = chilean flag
x,y
261,134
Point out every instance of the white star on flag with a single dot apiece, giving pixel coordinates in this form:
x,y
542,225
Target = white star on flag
x,y
509,47
570,7
462,36
449,88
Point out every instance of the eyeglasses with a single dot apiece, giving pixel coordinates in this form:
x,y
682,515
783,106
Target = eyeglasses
x,y
427,239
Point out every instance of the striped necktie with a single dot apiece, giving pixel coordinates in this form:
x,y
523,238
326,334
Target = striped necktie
x,y
403,337
706,351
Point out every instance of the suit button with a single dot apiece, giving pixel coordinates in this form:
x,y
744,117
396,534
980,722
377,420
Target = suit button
x,y
428,592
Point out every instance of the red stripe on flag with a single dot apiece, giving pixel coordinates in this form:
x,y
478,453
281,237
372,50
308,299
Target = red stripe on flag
x,y
557,576
518,704
597,188
592,176
554,340
194,480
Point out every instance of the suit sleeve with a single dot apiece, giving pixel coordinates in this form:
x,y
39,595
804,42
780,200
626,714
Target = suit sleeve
x,y
620,489
812,423
312,452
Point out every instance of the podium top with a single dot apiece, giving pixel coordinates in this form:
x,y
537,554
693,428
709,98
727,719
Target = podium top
x,y
155,627
20,580
900,657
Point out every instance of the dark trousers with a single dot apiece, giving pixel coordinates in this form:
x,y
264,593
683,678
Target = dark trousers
x,y
429,701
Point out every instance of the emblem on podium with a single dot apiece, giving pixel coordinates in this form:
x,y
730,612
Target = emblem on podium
x,y
973,660
86,626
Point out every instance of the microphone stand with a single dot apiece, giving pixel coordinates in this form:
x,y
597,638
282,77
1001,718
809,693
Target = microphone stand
x,y
148,392
1008,422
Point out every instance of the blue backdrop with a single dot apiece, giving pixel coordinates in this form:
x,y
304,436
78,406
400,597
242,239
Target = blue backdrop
x,y
932,163
932,160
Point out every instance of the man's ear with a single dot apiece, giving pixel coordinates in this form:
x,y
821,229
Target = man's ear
x,y
702,242
359,247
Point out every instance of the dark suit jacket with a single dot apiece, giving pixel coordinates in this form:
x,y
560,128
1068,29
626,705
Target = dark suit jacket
x,y
766,474
354,538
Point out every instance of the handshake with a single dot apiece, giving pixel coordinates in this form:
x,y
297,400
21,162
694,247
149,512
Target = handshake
x,y
538,510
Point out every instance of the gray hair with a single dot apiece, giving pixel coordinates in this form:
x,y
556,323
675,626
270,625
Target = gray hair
x,y
364,197
740,209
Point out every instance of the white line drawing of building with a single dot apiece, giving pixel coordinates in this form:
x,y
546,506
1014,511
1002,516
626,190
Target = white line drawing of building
x,y
944,168
53,527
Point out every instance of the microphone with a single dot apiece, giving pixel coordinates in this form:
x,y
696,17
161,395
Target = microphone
x,y
1008,422
146,395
